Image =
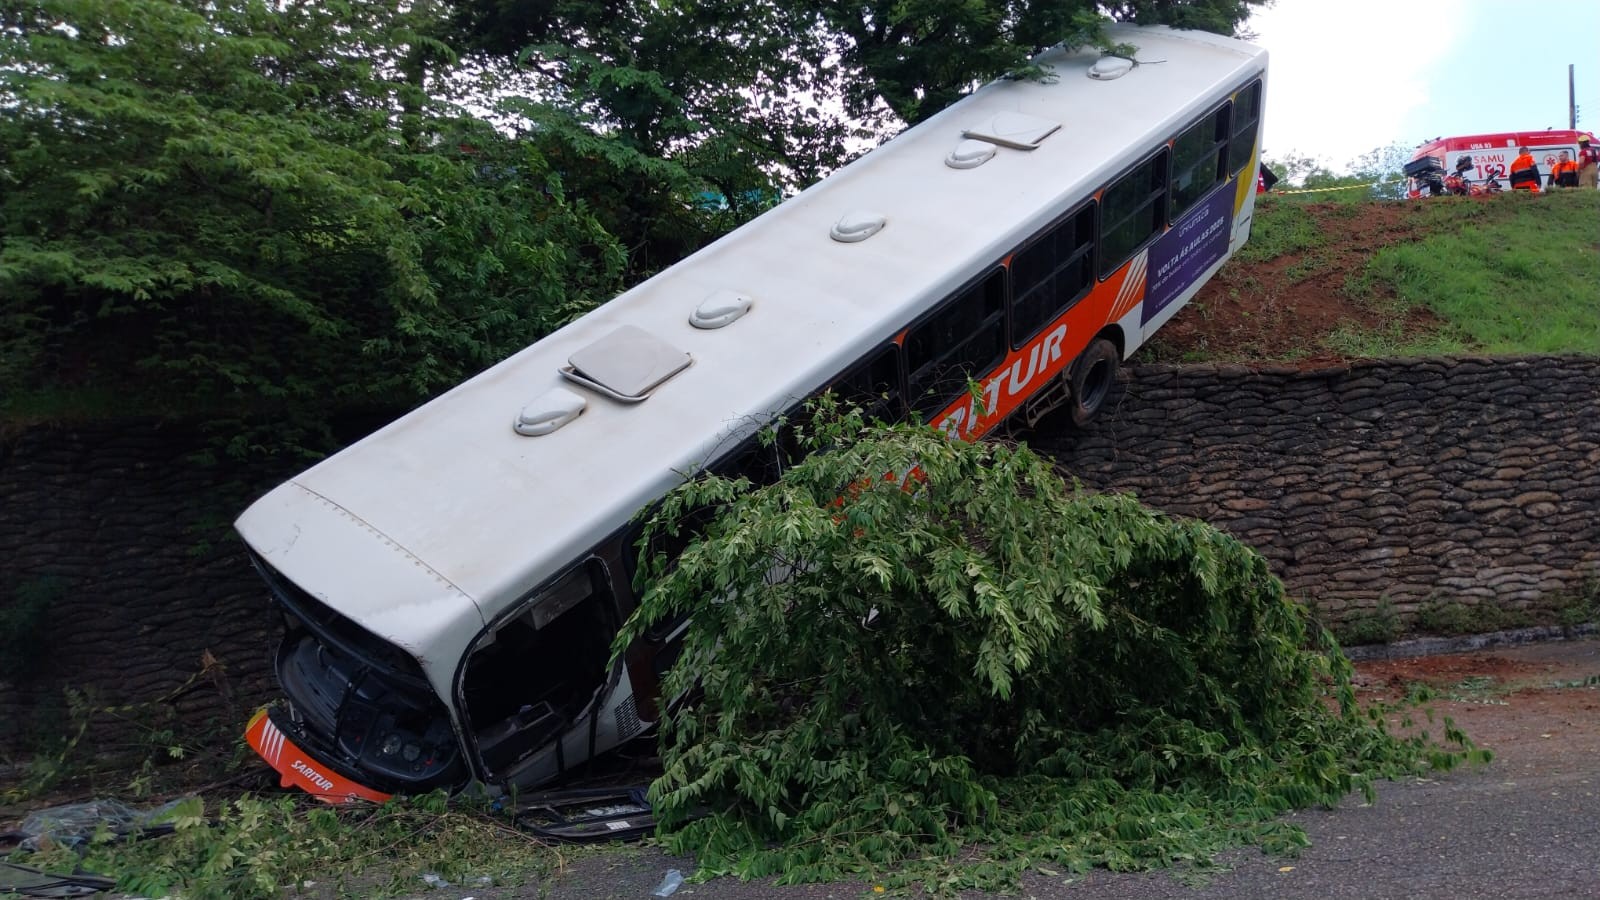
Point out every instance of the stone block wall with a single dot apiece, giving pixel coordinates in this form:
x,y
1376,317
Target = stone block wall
x,y
150,602
1407,482
1400,482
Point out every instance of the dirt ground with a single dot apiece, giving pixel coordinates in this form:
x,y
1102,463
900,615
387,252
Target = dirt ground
x,y
1265,310
1536,706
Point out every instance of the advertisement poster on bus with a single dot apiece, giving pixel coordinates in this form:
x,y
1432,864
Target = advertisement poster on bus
x,y
1179,257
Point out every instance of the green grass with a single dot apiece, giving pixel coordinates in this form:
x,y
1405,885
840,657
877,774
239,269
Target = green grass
x,y
1510,275
1279,229
1527,282
267,847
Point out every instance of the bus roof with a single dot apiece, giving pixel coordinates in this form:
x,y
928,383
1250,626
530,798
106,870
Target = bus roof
x,y
468,513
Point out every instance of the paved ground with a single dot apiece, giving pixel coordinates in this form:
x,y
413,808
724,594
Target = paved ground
x,y
1527,825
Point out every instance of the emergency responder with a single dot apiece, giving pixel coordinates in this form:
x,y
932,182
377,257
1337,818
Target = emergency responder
x,y
1524,172
1458,182
1564,174
1588,163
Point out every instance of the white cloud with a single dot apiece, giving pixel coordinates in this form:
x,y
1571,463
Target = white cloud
x,y
1344,77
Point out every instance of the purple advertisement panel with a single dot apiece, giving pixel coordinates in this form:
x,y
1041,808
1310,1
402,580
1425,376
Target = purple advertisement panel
x,y
1178,257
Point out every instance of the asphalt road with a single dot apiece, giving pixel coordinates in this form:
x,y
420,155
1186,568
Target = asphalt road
x,y
1466,835
1526,825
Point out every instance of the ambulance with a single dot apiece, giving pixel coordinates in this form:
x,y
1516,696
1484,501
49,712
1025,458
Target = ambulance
x,y
1489,159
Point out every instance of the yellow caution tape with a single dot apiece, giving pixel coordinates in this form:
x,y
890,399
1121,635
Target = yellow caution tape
x,y
1342,187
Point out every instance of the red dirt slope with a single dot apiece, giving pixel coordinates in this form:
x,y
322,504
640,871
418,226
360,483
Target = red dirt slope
x,y
1286,306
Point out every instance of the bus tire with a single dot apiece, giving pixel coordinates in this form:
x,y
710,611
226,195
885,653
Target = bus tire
x,y
1093,374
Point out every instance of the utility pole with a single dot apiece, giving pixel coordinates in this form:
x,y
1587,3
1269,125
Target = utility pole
x,y
1572,101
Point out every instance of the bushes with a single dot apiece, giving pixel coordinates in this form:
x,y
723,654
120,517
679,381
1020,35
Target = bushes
x,y
254,211
982,661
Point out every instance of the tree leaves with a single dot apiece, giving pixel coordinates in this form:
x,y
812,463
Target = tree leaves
x,y
219,203
977,654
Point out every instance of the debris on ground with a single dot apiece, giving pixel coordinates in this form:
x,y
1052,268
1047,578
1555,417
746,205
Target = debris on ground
x,y
74,824
586,814
26,881
669,884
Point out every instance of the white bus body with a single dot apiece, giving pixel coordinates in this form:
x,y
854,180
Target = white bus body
x,y
452,582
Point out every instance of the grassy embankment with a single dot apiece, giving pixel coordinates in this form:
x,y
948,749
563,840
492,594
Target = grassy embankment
x,y
1514,274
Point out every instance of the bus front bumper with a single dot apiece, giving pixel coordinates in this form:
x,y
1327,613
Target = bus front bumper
x,y
296,768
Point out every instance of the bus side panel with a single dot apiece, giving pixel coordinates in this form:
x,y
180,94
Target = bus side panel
x,y
1157,282
1024,372
1186,256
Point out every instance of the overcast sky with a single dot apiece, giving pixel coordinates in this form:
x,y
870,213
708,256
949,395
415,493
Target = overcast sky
x,y
1348,76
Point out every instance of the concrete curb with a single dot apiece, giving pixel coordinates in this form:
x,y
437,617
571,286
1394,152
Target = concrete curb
x,y
1434,646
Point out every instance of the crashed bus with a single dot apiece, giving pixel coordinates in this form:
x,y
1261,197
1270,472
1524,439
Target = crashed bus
x,y
452,583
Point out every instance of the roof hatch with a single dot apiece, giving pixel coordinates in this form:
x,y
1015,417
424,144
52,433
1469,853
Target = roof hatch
x,y
626,364
1014,129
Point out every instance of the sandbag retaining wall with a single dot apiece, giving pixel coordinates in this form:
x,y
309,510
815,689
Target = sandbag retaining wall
x,y
1398,482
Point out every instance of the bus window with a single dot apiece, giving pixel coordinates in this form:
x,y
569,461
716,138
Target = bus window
x,y
1132,210
1246,115
959,342
874,385
534,674
1198,162
755,458
1051,274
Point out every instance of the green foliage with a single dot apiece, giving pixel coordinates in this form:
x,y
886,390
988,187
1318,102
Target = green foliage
x,y
1377,174
1580,606
1451,617
270,211
1380,625
255,847
266,206
1503,275
52,740
1517,278
948,678
1279,229
777,88
139,747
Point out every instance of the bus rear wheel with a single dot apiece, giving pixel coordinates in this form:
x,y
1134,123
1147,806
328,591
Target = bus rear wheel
x,y
1093,374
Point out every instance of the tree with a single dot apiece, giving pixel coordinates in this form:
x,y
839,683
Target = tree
x,y
216,203
785,83
1300,170
258,203
1383,168
1375,175
980,663
918,57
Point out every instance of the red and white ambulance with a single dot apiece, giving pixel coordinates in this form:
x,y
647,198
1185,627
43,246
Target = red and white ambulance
x,y
1489,158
